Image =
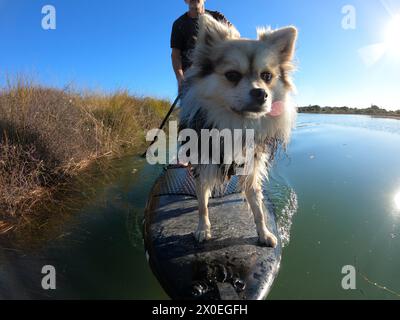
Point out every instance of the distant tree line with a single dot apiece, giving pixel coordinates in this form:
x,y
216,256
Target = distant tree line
x,y
373,110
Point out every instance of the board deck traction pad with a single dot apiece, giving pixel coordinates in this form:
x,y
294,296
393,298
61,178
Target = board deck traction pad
x,y
184,185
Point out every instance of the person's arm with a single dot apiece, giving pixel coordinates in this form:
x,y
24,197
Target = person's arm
x,y
177,65
177,43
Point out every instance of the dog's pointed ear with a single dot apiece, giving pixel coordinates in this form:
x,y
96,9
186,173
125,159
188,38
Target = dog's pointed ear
x,y
212,32
283,40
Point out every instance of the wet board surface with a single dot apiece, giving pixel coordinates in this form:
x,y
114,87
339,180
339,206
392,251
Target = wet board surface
x,y
230,266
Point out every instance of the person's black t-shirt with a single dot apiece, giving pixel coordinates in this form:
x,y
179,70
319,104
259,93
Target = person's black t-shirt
x,y
184,33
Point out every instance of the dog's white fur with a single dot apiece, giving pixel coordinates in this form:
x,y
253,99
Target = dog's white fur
x,y
208,93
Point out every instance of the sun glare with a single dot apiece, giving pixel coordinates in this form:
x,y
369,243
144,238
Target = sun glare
x,y
392,35
397,201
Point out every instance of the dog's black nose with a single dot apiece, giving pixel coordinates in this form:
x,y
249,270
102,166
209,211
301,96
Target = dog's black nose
x,y
259,95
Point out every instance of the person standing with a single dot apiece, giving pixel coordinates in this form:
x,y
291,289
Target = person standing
x,y
184,33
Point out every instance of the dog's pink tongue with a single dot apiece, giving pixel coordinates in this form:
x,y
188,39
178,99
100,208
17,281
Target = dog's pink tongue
x,y
277,109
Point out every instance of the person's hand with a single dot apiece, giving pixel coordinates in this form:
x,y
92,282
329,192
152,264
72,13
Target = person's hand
x,y
180,79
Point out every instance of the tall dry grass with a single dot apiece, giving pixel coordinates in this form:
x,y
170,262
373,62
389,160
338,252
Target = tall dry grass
x,y
48,135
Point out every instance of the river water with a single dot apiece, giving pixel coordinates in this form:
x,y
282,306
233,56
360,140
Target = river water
x,y
337,196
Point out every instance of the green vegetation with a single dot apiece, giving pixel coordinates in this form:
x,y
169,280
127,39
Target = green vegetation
x,y
48,136
372,111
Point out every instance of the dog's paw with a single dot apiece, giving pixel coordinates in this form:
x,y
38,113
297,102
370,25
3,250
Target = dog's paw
x,y
268,239
202,235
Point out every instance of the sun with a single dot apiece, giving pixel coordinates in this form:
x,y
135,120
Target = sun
x,y
392,35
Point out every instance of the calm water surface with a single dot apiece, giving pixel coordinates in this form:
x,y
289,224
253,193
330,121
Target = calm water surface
x,y
337,194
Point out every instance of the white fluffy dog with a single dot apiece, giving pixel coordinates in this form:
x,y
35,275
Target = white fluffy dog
x,y
237,83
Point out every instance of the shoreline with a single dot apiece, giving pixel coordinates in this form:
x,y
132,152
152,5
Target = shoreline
x,y
356,114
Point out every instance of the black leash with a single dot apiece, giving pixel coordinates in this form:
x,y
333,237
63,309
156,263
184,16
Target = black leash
x,y
164,122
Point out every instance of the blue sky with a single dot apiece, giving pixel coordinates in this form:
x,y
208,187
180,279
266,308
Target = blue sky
x,y
124,44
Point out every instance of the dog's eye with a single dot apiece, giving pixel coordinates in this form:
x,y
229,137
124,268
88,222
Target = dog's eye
x,y
233,76
266,76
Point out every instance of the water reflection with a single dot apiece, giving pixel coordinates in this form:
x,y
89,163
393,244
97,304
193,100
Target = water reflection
x,y
397,201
